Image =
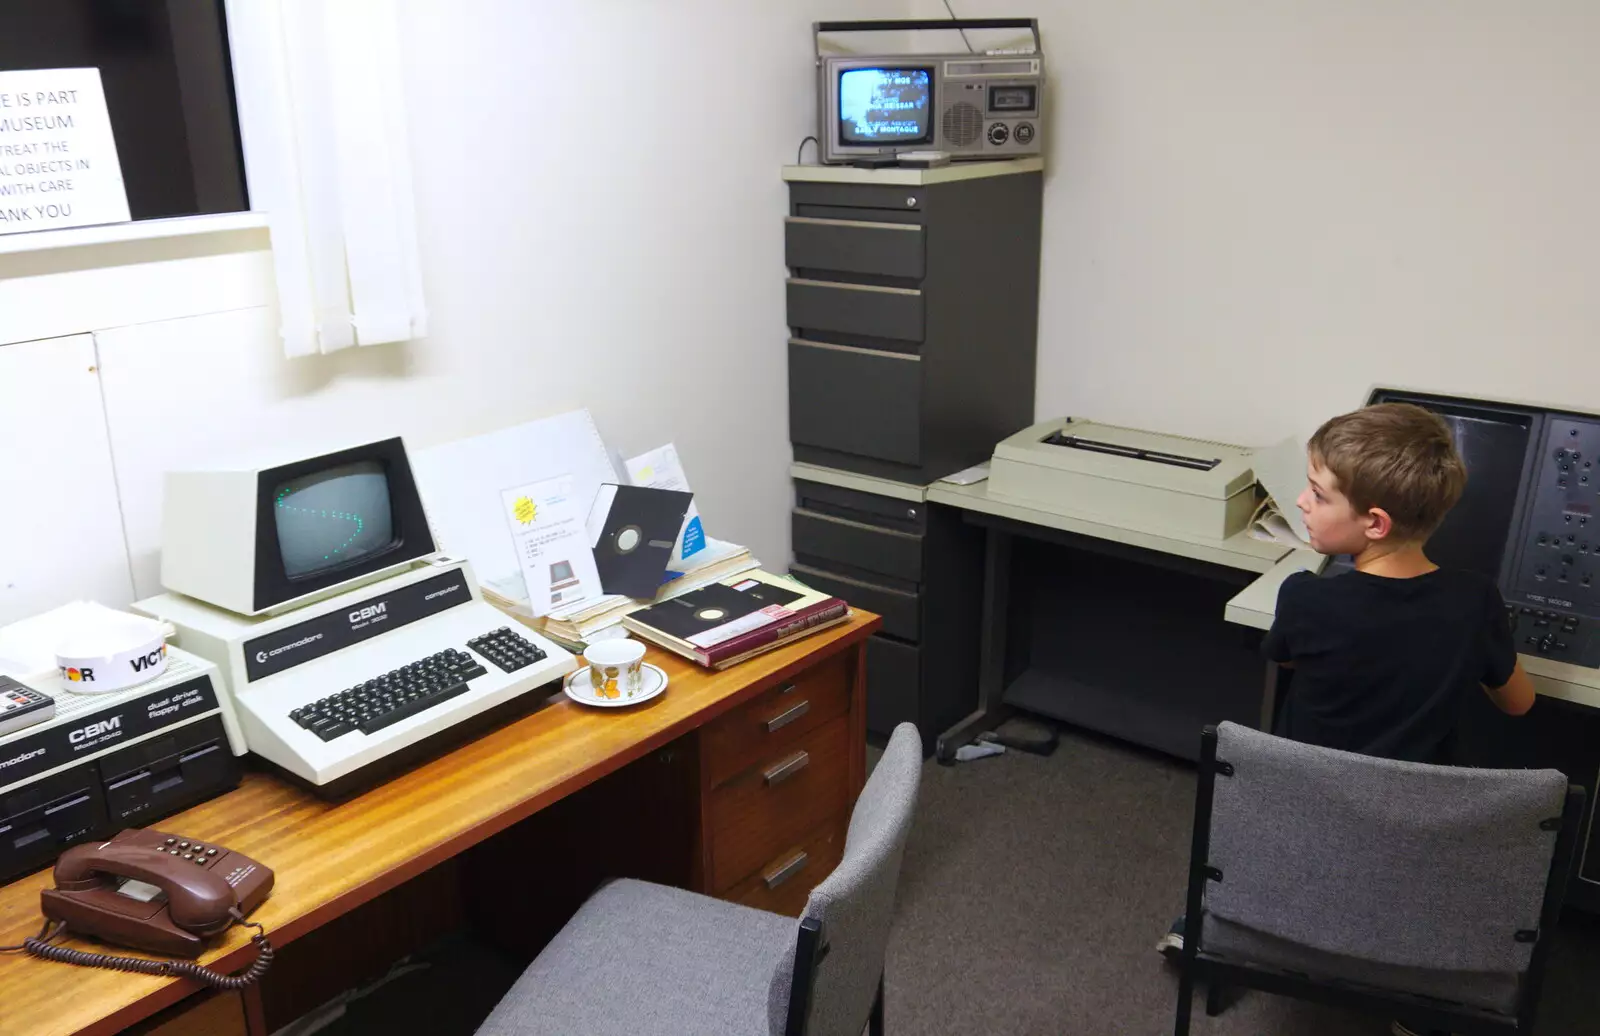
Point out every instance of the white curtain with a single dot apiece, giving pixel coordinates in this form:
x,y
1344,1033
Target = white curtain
x,y
322,117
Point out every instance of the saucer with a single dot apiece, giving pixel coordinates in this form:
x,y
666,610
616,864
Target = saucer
x,y
580,689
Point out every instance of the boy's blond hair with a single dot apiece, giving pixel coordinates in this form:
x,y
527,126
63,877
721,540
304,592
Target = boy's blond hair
x,y
1395,456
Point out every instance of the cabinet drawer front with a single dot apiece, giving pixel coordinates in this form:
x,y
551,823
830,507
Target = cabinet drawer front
x,y
857,544
773,722
859,401
784,884
871,508
901,611
772,805
853,246
894,685
856,309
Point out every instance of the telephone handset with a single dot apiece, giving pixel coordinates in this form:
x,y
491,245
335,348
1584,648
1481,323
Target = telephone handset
x,y
158,892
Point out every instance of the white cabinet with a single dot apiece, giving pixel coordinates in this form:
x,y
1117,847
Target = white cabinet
x,y
61,535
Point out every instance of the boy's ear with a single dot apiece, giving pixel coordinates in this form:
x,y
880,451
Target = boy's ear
x,y
1379,524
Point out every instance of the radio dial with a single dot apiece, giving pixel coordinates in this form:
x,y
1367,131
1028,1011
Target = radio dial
x,y
998,134
1023,133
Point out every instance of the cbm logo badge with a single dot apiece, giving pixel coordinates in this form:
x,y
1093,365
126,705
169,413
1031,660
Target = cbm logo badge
x,y
105,726
369,612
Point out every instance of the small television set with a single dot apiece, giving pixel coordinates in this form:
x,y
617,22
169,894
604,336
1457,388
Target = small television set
x,y
982,106
259,538
969,106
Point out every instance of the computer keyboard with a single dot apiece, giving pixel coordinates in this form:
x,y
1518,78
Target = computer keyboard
x,y
335,721
394,696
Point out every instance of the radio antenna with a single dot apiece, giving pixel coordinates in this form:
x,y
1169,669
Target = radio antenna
x,y
963,32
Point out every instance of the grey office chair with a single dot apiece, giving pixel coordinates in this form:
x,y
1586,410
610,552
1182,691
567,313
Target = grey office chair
x,y
1428,894
642,958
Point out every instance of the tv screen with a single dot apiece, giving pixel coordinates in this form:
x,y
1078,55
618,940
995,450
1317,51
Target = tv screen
x,y
332,518
886,106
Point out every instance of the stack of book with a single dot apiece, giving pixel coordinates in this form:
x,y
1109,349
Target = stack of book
x,y
573,626
737,618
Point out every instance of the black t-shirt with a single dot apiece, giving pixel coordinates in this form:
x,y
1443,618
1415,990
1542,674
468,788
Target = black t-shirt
x,y
1381,665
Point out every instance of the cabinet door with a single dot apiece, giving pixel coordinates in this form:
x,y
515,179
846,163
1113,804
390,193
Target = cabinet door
x,y
60,521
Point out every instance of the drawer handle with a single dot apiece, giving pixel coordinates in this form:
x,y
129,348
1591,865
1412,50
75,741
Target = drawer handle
x,y
788,768
852,286
786,870
881,354
788,716
853,224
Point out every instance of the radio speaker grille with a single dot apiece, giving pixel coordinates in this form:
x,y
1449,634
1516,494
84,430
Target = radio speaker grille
x,y
962,124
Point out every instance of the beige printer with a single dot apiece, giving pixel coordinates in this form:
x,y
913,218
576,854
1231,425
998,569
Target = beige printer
x,y
1190,488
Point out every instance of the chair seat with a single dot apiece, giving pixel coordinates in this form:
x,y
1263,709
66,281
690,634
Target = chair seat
x,y
1491,991
642,958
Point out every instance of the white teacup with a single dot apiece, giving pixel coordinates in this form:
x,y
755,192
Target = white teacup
x,y
616,668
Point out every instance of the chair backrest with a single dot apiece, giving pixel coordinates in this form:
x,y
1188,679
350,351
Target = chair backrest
x,y
855,904
1400,863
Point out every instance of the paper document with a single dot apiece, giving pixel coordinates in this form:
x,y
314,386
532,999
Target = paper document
x,y
661,469
1281,470
552,547
462,482
968,476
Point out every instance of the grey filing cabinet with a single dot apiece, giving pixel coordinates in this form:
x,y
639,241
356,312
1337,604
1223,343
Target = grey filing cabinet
x,y
878,545
913,301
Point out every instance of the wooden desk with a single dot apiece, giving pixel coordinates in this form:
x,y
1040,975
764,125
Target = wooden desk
x,y
330,859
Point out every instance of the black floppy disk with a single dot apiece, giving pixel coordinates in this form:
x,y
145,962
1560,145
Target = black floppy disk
x,y
637,528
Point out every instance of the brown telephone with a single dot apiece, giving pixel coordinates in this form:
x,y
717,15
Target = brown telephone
x,y
158,892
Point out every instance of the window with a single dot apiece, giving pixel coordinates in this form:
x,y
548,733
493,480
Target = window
x,y
169,91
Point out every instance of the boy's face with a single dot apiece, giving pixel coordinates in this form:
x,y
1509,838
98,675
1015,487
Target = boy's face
x,y
1331,521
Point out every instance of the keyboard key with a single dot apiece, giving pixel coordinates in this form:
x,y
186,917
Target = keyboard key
x,y
409,709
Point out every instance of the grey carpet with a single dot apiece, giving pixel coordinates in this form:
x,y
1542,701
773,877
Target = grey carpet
x,y
1034,890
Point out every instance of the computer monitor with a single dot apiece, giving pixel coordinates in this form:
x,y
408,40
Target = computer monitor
x,y
260,538
1494,442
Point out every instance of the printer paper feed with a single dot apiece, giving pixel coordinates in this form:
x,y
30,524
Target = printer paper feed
x,y
1281,470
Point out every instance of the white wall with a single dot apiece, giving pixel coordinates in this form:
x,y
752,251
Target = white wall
x,y
1255,210
599,208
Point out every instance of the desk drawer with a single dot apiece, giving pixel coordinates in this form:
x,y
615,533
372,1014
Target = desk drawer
x,y
855,309
770,724
862,401
853,246
857,544
784,884
894,685
901,611
771,806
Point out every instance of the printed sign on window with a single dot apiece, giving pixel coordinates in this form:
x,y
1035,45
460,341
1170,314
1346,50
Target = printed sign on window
x,y
58,160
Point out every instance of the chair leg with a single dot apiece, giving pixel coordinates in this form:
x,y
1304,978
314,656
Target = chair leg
x,y
875,1025
1216,999
1180,1026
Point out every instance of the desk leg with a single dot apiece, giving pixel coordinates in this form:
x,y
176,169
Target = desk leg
x,y
991,711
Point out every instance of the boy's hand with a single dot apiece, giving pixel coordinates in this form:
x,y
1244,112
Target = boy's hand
x,y
1517,696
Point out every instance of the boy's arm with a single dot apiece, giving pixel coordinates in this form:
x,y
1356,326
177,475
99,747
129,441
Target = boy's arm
x,y
1516,696
1275,645
1504,679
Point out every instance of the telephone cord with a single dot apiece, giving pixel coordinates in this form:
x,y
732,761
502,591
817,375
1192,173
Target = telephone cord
x,y
42,946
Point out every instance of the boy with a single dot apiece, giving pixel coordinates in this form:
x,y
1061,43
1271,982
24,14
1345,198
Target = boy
x,y
1384,655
